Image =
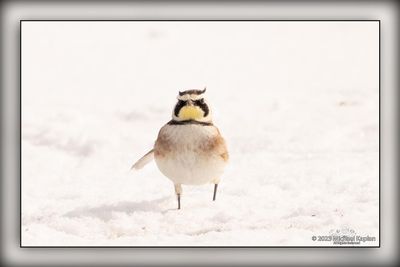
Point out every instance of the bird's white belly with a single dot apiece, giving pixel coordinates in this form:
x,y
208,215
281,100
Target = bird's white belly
x,y
190,168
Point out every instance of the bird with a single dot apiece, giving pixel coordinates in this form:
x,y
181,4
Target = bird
x,y
189,149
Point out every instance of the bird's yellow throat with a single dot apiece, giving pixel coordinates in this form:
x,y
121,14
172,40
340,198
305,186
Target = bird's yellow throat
x,y
190,113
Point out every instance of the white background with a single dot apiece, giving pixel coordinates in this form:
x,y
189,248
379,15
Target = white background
x,y
297,102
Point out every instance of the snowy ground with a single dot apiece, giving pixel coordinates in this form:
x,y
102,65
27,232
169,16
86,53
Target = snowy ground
x,y
296,102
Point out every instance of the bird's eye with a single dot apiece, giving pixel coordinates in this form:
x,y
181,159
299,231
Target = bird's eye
x,y
200,101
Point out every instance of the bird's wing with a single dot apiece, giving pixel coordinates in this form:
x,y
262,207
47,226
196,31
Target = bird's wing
x,y
143,160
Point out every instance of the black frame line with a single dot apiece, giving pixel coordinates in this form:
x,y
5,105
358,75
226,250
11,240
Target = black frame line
x,y
198,20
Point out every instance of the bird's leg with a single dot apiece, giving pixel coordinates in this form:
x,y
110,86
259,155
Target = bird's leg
x,y
178,191
216,182
215,191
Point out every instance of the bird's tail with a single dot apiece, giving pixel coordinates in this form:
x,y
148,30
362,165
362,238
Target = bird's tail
x,y
143,160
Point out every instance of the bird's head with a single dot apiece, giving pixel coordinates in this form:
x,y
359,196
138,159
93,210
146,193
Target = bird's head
x,y
191,105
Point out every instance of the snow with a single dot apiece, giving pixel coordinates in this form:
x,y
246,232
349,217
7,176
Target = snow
x,y
297,103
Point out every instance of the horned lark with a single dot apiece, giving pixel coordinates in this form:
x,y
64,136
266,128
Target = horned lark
x,y
189,149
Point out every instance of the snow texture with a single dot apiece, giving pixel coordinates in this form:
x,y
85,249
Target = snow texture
x,y
298,104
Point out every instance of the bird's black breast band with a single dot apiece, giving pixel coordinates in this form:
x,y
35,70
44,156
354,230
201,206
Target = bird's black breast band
x,y
174,122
